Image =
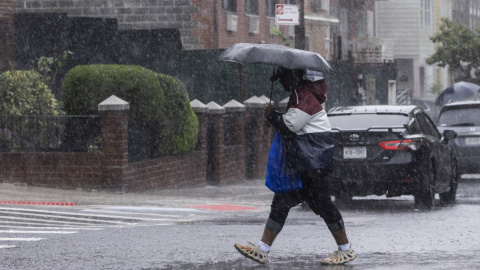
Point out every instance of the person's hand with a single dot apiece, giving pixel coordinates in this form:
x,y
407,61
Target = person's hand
x,y
268,109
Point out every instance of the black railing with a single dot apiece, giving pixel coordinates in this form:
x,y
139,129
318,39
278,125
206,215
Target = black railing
x,y
50,133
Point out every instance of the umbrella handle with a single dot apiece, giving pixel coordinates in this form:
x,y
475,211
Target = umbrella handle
x,y
272,79
271,92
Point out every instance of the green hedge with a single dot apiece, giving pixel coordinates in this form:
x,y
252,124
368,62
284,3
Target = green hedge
x,y
160,112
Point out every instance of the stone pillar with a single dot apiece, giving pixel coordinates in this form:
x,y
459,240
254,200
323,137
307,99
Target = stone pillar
x,y
201,110
234,142
215,146
257,134
114,121
283,104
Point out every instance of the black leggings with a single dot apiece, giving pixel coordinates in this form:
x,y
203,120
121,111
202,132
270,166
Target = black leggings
x,y
317,196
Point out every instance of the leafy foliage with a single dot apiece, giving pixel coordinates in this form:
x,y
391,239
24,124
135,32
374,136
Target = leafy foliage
x,y
48,67
24,93
280,34
160,111
459,48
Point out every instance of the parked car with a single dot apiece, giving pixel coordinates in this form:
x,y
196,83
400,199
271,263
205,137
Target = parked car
x,y
392,151
428,105
464,118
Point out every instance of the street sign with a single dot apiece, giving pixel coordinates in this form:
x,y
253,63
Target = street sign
x,y
286,14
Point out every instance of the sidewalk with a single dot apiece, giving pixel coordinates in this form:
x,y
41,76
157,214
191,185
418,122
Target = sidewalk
x,y
249,193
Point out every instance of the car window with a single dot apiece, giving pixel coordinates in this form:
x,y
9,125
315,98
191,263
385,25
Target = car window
x,y
414,127
364,121
427,125
460,117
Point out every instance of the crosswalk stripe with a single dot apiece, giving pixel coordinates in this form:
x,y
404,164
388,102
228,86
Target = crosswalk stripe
x,y
22,239
38,232
75,215
48,221
129,213
51,228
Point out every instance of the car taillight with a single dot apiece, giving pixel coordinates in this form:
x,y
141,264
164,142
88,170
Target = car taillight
x,y
401,145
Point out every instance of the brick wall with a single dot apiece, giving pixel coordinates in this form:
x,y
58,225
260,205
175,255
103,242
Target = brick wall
x,y
62,170
202,23
228,38
131,14
7,10
171,172
233,145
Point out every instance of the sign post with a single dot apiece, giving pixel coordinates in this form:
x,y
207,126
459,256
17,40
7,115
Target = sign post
x,y
286,14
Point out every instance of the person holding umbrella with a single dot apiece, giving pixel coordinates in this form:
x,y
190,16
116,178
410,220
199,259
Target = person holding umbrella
x,y
309,150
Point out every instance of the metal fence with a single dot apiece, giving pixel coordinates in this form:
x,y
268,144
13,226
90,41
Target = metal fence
x,y
50,133
404,97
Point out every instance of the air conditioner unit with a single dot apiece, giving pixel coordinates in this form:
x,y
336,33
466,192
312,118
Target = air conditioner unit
x,y
254,25
232,22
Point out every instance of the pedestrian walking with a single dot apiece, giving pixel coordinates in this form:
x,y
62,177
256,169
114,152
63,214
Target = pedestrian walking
x,y
309,150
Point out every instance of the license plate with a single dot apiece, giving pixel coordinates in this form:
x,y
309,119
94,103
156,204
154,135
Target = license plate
x,y
472,140
354,152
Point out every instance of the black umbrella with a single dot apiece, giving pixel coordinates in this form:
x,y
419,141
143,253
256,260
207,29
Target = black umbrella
x,y
457,91
277,55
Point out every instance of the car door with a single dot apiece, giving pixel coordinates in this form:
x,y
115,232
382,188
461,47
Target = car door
x,y
441,150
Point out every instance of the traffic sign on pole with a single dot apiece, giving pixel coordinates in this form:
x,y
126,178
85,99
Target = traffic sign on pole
x,y
286,14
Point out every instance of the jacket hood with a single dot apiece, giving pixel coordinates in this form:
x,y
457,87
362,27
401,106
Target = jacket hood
x,y
309,96
317,88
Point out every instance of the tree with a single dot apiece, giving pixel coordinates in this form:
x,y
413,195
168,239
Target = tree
x,y
459,48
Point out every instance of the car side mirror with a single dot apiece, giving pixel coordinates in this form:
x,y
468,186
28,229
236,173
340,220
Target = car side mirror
x,y
449,135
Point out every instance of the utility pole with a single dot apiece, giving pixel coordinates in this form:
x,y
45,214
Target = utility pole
x,y
300,29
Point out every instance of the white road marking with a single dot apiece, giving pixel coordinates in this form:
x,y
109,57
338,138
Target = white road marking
x,y
35,232
129,213
35,226
77,216
30,239
6,246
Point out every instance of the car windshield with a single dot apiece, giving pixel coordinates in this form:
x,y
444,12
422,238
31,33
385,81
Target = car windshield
x,y
364,121
460,117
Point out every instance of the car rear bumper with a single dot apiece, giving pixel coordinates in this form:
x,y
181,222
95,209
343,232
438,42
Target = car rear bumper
x,y
470,164
393,180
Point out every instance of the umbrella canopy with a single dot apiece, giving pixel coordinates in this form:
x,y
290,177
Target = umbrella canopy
x,y
457,91
275,54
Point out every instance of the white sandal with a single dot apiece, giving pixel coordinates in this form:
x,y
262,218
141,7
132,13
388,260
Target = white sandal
x,y
340,257
252,252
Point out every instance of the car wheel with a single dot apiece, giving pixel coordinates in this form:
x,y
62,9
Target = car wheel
x,y
426,191
450,196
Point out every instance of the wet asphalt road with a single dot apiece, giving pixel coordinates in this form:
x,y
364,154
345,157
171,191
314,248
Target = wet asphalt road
x,y
385,233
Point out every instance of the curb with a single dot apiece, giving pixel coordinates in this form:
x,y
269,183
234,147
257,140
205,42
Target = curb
x,y
39,203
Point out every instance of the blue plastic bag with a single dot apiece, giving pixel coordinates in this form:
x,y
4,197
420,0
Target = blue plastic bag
x,y
277,181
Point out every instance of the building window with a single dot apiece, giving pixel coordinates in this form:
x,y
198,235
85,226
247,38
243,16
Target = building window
x,y
291,2
229,5
320,5
251,7
426,13
271,8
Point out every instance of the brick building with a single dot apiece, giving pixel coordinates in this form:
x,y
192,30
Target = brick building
x,y
7,10
205,24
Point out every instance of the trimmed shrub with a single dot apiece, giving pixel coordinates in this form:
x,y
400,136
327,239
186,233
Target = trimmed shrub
x,y
24,93
161,119
178,124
